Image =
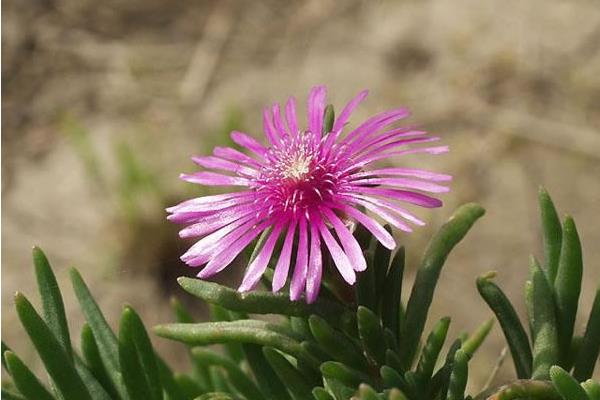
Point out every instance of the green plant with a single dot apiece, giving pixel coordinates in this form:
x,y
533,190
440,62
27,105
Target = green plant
x,y
552,296
361,343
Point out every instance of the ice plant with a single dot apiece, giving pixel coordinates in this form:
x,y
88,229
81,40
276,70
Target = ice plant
x,y
307,186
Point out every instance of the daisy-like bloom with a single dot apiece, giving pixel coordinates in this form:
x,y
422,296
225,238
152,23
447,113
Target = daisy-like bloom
x,y
308,187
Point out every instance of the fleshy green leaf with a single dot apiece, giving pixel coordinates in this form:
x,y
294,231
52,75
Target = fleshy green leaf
x,y
91,355
320,393
299,387
335,343
472,343
238,378
381,262
567,286
515,334
267,380
57,363
592,389
167,378
366,392
27,383
366,295
182,315
105,338
392,293
552,234
459,376
391,378
52,302
242,331
8,395
427,276
564,383
233,350
590,346
259,302
431,351
94,387
137,360
371,334
545,338
5,348
344,374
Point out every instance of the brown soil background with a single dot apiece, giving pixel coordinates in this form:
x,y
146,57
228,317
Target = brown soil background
x,y
513,87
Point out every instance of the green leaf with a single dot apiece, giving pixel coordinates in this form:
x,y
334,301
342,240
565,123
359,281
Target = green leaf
x,y
392,293
265,376
259,302
168,381
182,315
5,348
233,350
590,347
568,387
189,386
218,379
104,336
94,387
216,396
344,374
237,377
371,334
57,362
320,393
328,119
366,291
592,389
137,360
431,351
396,394
441,379
545,338
366,392
8,395
527,389
567,287
552,234
515,334
52,302
391,378
297,384
458,378
427,276
91,355
27,383
475,340
335,343
242,331
381,263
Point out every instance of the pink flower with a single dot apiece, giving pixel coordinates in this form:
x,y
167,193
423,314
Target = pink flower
x,y
307,186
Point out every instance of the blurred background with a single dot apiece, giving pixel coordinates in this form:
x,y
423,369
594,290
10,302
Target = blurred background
x,y
104,102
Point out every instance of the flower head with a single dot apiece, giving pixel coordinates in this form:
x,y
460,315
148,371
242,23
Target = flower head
x,y
306,186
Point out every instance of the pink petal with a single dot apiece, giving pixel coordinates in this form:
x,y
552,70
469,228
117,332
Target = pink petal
x,y
404,195
403,183
316,108
249,143
373,124
269,129
219,163
257,268
339,257
372,226
235,155
215,221
315,266
204,200
391,206
225,257
389,146
344,116
283,264
277,121
212,178
290,116
299,276
392,219
351,246
417,173
381,156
